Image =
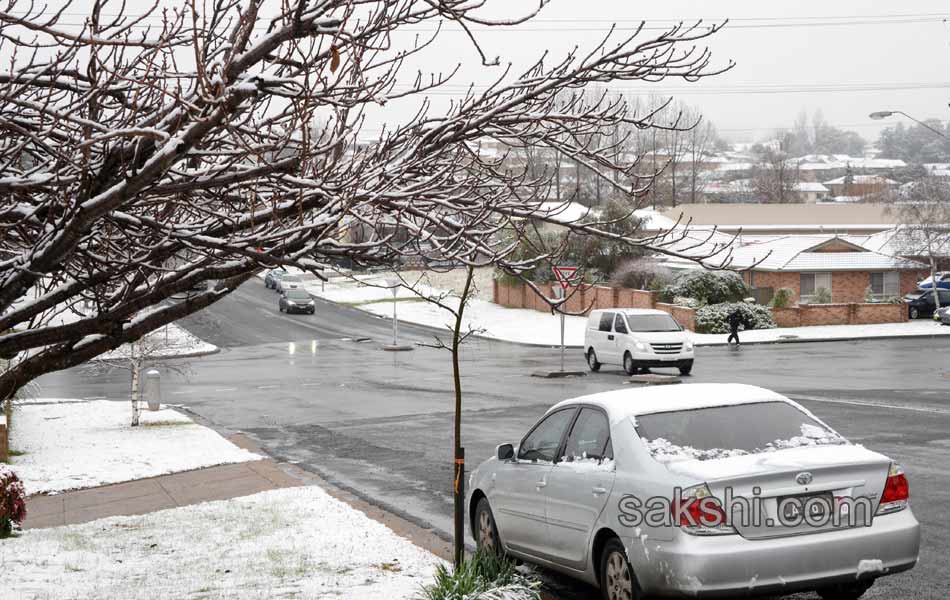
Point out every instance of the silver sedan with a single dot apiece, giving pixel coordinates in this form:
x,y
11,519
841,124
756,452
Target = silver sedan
x,y
706,490
943,315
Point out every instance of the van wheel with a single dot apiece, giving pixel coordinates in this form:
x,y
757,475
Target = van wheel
x,y
630,365
616,577
592,361
686,368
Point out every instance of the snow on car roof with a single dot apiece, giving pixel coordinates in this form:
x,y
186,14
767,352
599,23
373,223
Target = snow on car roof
x,y
631,311
667,398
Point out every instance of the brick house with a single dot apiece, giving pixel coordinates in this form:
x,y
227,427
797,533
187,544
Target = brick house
x,y
805,264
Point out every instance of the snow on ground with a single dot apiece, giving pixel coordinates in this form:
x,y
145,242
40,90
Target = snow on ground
x,y
290,543
72,445
534,327
171,341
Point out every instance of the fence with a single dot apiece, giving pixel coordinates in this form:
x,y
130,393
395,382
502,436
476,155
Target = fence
x,y
584,298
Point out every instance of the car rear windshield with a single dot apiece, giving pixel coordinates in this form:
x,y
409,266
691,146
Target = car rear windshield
x,y
723,431
646,323
298,295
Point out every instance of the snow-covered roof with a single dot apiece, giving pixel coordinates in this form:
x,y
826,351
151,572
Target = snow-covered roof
x,y
830,162
810,186
628,402
652,220
563,212
797,253
862,180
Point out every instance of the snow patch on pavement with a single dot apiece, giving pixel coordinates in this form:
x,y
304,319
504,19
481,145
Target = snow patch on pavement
x,y
73,445
297,542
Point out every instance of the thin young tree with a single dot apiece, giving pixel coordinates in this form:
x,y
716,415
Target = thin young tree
x,y
923,224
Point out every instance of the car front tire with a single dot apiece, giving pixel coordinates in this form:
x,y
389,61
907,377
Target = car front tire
x,y
592,361
845,591
617,581
686,368
629,365
486,530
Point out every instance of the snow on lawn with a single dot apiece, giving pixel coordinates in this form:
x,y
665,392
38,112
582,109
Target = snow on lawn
x,y
534,327
71,445
171,341
297,542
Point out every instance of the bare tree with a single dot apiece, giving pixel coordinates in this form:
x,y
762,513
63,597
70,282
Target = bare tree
x,y
923,229
774,177
128,177
701,138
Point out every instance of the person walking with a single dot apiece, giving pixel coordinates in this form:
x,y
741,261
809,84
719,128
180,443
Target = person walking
x,y
734,319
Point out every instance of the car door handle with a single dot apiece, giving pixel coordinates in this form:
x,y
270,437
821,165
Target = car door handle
x,y
541,484
599,490
610,337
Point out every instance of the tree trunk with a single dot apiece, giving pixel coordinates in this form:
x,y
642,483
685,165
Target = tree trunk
x,y
135,385
933,282
459,454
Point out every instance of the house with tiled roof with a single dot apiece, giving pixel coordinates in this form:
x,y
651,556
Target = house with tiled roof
x,y
805,264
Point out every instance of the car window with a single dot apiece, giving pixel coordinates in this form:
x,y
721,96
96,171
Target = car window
x,y
298,295
588,436
646,323
544,440
722,431
619,325
605,321
944,298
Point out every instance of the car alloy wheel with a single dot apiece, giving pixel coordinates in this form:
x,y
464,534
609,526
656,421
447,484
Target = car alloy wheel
x,y
914,313
617,581
487,530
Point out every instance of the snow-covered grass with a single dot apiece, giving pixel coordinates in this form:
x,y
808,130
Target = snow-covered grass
x,y
171,341
290,543
534,327
72,445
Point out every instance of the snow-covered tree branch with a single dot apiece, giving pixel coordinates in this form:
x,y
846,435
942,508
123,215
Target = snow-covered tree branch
x,y
145,153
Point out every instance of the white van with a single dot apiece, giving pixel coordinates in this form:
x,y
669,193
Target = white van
x,y
636,338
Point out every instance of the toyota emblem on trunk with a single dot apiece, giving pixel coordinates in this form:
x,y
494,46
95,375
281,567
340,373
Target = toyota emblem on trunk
x,y
803,478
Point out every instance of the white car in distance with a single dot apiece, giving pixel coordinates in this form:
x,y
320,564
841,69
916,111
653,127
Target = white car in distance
x,y
636,339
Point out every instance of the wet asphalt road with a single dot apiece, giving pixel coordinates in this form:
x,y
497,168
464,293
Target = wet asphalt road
x,y
380,423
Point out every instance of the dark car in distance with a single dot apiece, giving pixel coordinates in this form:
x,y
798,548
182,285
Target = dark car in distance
x,y
920,304
296,300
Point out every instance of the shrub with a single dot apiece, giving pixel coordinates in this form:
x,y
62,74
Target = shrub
x,y
782,298
484,575
821,296
640,274
12,501
710,287
714,317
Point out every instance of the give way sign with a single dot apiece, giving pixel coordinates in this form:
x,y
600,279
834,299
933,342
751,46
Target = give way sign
x,y
564,275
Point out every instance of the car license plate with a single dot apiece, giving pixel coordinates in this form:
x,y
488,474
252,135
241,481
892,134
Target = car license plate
x,y
795,510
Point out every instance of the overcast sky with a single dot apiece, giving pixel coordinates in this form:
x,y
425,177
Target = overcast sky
x,y
872,54
792,46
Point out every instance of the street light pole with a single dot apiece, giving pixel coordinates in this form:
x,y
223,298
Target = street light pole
x,y
883,114
393,284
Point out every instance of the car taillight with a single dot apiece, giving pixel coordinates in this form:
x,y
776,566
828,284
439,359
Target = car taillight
x,y
698,512
896,492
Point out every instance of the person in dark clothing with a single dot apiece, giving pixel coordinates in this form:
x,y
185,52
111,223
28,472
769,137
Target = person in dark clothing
x,y
734,319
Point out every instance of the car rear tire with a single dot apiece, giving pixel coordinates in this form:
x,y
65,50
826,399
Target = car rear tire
x,y
686,368
617,581
914,313
592,361
486,531
845,591
630,366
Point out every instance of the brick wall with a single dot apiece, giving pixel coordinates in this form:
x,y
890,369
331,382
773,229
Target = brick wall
x,y
683,315
880,313
824,314
787,317
846,286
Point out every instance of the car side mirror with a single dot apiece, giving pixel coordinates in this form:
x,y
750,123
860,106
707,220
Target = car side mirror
x,y
505,452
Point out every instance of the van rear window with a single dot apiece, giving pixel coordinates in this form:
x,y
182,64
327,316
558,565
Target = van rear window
x,y
605,321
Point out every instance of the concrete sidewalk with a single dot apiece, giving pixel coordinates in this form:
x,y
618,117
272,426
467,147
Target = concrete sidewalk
x,y
166,491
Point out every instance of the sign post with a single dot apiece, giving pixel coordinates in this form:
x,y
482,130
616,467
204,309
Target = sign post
x,y
564,275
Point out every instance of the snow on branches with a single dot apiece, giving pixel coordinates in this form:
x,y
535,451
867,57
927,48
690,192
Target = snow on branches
x,y
145,153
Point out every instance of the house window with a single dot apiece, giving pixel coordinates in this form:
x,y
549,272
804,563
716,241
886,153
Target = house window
x,y
811,283
885,284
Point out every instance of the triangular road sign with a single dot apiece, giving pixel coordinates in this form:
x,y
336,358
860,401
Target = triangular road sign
x,y
564,275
